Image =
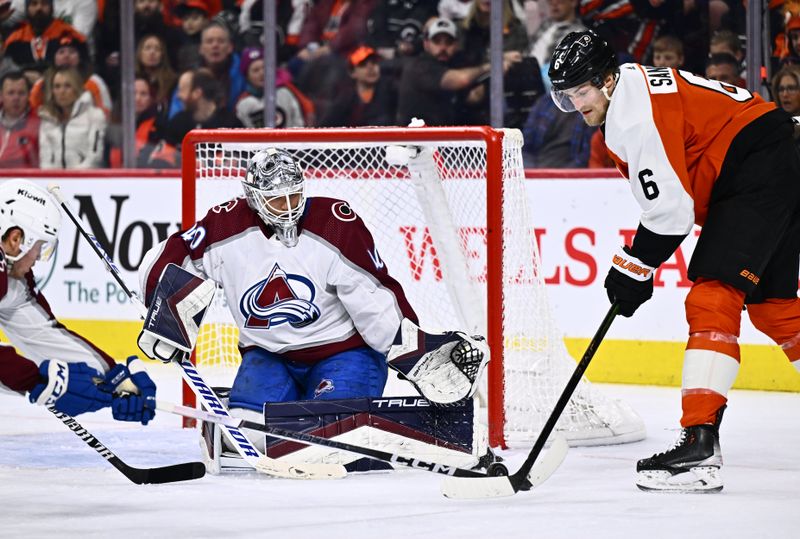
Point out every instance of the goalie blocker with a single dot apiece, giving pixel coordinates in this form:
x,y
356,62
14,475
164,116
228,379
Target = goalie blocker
x,y
179,304
408,426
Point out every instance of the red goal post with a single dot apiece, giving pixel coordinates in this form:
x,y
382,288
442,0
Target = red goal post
x,y
461,190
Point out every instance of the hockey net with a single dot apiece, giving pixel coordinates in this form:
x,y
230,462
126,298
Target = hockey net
x,y
448,211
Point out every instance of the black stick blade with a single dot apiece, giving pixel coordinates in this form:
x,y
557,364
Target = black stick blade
x,y
169,474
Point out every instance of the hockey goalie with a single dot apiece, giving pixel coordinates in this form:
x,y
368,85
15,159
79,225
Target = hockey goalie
x,y
320,319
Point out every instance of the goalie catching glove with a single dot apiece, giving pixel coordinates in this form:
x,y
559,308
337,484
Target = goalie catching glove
x,y
179,304
444,367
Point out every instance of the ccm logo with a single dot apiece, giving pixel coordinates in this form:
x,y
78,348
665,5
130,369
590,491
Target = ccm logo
x,y
750,276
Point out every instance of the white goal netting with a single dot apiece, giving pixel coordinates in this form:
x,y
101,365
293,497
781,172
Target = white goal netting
x,y
424,196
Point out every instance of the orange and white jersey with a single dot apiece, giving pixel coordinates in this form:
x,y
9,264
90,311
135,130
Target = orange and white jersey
x,y
668,132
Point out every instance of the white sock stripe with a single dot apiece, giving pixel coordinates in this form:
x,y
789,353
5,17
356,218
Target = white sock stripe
x,y
706,369
717,336
791,343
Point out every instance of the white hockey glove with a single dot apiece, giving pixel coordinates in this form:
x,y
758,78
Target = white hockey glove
x,y
444,367
173,320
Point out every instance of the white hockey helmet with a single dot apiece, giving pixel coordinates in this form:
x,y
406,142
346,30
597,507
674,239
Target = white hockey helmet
x,y
32,209
273,179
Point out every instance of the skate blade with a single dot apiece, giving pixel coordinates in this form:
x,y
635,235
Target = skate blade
x,y
698,480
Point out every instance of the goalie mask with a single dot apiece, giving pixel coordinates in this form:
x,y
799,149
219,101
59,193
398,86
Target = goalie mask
x,y
275,188
580,57
30,208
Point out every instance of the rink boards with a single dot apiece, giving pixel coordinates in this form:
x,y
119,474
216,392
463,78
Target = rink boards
x,y
580,218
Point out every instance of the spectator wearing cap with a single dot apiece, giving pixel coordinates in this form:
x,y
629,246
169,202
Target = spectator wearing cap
x,y
72,131
292,109
430,81
35,41
203,109
73,53
19,124
194,16
787,47
290,15
367,100
152,63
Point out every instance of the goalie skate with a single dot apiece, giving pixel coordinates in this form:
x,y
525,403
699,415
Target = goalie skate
x,y
691,465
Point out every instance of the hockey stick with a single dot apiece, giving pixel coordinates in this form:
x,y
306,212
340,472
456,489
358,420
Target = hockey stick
x,y
492,487
140,476
375,454
236,438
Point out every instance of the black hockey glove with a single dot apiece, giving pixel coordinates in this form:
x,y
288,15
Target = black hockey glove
x,y
629,282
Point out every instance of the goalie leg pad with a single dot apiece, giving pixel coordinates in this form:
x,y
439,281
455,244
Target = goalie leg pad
x,y
407,426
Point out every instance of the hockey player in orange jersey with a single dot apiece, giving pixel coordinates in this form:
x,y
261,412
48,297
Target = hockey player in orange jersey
x,y
696,151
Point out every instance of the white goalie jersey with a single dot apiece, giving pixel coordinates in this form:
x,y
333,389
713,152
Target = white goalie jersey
x,y
329,293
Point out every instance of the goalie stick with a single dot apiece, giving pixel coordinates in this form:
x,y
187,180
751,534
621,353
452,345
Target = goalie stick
x,y
190,375
494,487
140,476
543,469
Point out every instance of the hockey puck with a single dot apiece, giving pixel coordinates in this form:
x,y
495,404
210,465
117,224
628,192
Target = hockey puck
x,y
496,469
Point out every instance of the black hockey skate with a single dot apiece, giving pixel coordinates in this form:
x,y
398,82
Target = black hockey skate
x,y
691,465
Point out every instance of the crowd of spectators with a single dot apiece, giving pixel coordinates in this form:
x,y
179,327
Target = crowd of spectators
x,y
199,63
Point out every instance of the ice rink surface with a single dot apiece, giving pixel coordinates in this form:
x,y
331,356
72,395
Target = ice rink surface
x,y
54,485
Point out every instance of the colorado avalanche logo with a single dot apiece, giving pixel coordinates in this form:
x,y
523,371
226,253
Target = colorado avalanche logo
x,y
280,298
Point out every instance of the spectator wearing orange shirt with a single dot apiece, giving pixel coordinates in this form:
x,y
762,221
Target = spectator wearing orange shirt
x,y
19,125
38,37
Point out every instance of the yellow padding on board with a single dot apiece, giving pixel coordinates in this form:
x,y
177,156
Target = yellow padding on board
x,y
659,363
617,361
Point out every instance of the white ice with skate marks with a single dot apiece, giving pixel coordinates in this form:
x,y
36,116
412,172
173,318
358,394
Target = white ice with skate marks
x,y
54,485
